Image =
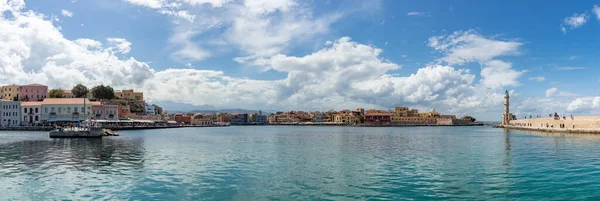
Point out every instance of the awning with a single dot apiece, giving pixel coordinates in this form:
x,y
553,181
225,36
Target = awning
x,y
69,119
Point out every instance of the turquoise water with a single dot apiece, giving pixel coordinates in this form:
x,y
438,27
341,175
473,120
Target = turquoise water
x,y
302,163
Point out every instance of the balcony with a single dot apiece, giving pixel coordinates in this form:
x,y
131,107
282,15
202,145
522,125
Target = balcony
x,y
52,114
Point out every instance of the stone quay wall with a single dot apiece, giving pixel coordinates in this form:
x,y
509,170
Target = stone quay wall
x,y
568,124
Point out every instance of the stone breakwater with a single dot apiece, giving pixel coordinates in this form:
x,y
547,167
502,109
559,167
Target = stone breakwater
x,y
582,124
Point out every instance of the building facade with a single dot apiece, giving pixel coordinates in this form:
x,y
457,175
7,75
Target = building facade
x,y
149,109
9,92
33,92
183,119
129,95
10,113
377,117
105,111
65,109
68,94
31,113
345,118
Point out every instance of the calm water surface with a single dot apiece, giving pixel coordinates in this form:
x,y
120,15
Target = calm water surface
x,y
302,163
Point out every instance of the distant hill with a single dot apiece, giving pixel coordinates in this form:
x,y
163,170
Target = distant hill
x,y
174,107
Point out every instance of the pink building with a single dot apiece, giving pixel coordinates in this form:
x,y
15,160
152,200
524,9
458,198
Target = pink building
x,y
104,111
33,92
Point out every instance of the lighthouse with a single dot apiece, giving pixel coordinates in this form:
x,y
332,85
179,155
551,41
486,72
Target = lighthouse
x,y
506,115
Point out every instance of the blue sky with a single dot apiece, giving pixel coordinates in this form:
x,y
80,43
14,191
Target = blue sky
x,y
318,55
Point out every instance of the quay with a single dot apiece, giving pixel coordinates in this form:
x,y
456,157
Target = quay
x,y
553,123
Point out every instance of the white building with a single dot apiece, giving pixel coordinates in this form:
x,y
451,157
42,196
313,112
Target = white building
x,y
10,113
65,109
31,113
149,109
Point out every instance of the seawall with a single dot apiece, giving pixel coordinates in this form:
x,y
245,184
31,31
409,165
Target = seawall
x,y
582,124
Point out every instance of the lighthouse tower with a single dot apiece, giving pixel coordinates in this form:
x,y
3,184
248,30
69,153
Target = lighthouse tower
x,y
506,115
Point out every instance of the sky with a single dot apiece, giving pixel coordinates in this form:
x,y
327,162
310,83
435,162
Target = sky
x,y
457,57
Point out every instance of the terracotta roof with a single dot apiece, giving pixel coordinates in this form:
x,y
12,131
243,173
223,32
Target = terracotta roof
x,y
31,104
67,91
35,85
64,101
96,103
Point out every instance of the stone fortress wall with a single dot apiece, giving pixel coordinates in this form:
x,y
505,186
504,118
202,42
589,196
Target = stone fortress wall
x,y
568,124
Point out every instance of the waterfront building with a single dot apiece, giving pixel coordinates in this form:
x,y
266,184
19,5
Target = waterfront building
x,y
345,118
33,92
31,112
201,120
129,95
9,92
123,111
261,119
319,117
65,109
239,119
10,113
183,119
377,117
224,119
104,111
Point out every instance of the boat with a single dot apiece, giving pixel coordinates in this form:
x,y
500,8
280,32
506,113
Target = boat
x,y
89,132
93,132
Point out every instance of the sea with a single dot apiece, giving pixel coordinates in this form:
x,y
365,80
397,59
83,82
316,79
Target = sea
x,y
302,163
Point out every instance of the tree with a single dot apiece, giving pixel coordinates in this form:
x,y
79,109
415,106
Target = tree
x,y
79,91
16,98
470,118
56,93
103,92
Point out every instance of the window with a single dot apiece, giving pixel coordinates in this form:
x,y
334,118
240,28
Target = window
x,y
74,109
59,109
36,110
36,118
46,110
25,110
68,110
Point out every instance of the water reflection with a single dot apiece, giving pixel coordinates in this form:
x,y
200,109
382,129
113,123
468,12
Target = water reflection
x,y
303,163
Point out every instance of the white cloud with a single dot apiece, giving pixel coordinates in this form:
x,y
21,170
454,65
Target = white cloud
x,y
576,21
258,28
551,91
573,57
468,46
596,11
415,13
554,92
569,68
498,74
121,45
563,29
586,105
538,78
66,13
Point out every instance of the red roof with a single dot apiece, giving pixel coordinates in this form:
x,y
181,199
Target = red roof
x,y
35,85
64,101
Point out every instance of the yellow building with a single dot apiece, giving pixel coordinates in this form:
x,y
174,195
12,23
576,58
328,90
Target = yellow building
x,y
432,114
129,95
345,118
8,92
